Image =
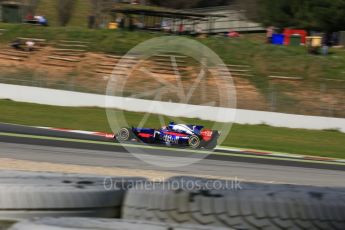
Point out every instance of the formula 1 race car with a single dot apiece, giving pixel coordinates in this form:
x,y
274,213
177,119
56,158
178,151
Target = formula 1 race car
x,y
193,136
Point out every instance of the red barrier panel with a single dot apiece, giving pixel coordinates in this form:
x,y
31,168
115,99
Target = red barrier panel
x,y
289,32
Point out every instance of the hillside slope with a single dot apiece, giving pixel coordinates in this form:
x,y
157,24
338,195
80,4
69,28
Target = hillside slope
x,y
320,90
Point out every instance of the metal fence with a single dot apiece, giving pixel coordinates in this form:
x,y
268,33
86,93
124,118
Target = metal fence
x,y
324,98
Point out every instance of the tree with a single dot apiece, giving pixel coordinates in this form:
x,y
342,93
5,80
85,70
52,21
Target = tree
x,y
307,14
65,11
250,8
330,15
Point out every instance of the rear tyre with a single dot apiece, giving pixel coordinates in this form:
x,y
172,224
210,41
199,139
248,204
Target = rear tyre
x,y
124,134
213,142
194,142
211,145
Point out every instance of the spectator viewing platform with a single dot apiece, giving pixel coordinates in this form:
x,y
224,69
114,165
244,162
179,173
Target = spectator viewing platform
x,y
164,19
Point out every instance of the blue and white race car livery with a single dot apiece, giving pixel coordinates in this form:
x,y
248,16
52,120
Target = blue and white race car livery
x,y
194,136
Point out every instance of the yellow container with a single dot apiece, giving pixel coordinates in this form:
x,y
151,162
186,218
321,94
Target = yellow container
x,y
112,26
314,41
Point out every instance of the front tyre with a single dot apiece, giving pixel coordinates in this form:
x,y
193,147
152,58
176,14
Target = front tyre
x,y
194,142
124,134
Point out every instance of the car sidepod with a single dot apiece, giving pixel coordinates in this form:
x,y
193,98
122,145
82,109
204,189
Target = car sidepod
x,y
173,138
145,135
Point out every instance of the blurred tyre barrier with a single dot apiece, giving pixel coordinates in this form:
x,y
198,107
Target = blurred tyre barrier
x,y
104,224
245,206
27,195
4,225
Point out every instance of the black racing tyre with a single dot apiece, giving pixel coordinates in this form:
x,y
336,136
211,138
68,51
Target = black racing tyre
x,y
105,224
213,142
124,134
27,195
6,224
194,142
211,145
261,206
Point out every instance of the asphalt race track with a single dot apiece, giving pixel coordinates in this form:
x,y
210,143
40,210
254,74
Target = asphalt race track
x,y
28,143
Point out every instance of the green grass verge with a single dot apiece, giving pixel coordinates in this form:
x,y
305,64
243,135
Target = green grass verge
x,y
327,143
